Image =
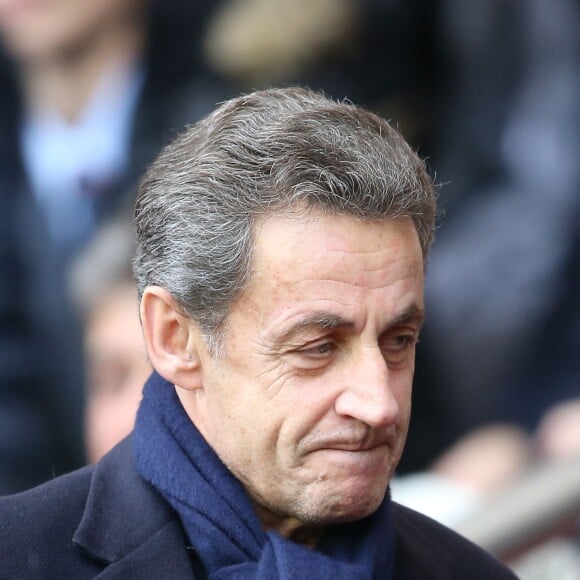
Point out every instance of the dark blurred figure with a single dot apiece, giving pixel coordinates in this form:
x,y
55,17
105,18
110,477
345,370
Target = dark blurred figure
x,y
89,93
377,53
503,288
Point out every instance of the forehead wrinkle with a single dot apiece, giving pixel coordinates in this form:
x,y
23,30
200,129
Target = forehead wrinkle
x,y
378,281
328,308
351,272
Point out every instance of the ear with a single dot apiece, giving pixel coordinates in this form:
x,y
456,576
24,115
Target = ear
x,y
172,340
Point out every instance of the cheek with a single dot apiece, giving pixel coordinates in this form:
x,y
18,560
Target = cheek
x,y
255,429
309,408
401,385
403,394
248,446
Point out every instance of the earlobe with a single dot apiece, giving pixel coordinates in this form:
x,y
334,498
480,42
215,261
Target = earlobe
x,y
169,338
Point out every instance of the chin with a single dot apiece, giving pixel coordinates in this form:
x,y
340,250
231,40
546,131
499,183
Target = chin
x,y
358,507
342,505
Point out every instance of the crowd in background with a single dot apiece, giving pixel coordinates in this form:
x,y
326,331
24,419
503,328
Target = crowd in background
x,y
90,92
487,90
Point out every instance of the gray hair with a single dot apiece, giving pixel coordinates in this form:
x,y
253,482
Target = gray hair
x,y
256,155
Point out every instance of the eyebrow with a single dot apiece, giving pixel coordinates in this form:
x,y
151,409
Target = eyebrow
x,y
413,313
318,319
328,321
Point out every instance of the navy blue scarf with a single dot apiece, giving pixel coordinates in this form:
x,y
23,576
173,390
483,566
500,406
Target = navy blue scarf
x,y
218,517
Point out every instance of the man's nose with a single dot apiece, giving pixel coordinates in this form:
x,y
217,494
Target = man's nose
x,y
367,395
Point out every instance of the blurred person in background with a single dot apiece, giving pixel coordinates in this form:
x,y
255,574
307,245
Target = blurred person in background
x,y
503,290
78,74
504,286
378,53
90,91
117,368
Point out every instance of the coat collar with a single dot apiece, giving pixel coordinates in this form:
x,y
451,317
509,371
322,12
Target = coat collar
x,y
128,526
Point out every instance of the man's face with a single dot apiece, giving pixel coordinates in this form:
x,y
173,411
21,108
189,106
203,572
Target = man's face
x,y
309,407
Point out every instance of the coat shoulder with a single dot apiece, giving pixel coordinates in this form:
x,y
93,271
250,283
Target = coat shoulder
x,y
426,549
98,519
38,524
41,508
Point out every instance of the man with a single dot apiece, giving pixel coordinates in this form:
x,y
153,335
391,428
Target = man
x,y
281,245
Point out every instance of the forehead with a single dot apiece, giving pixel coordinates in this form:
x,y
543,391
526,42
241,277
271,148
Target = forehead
x,y
307,243
333,263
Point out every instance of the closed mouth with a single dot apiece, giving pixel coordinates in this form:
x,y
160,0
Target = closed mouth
x,y
357,446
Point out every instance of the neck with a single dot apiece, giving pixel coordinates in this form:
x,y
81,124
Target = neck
x,y
289,527
64,82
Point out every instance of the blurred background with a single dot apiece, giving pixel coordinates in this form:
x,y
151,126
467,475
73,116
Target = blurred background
x,y
488,91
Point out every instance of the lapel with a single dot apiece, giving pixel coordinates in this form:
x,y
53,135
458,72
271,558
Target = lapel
x,y
127,525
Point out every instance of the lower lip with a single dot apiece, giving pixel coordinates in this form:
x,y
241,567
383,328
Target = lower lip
x,y
382,446
362,459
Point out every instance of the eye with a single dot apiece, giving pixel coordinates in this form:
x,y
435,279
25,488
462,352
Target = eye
x,y
319,351
398,348
402,341
315,356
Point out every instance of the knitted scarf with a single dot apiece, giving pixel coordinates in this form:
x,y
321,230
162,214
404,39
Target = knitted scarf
x,y
217,514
